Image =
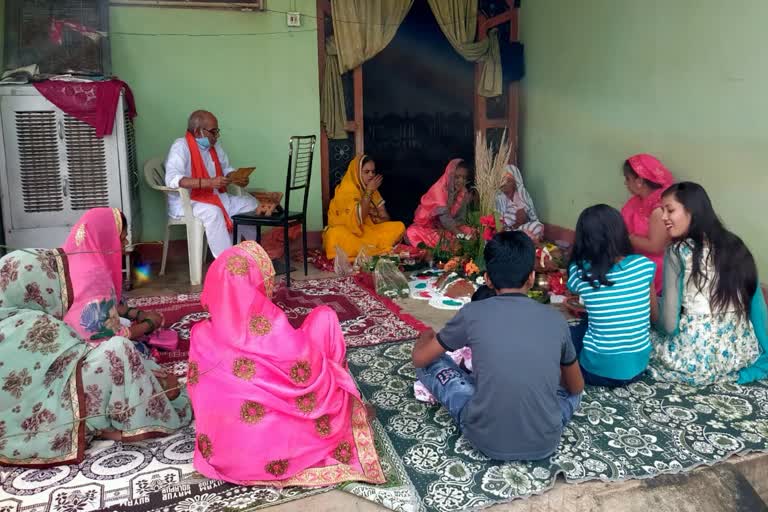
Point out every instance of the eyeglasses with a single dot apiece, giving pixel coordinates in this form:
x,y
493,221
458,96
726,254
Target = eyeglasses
x,y
215,132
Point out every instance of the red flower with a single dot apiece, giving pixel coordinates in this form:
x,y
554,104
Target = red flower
x,y
488,234
488,221
557,283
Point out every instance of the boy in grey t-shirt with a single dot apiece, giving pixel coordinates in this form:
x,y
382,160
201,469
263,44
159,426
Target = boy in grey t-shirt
x,y
525,384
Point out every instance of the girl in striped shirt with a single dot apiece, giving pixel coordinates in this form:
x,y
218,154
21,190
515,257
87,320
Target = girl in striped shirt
x,y
616,287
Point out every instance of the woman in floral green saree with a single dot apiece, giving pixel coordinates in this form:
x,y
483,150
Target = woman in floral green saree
x,y
57,392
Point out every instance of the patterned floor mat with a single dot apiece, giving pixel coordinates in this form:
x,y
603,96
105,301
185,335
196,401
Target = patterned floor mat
x,y
136,477
366,319
173,307
640,431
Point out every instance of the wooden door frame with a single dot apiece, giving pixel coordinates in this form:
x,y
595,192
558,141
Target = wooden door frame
x,y
355,125
510,122
481,120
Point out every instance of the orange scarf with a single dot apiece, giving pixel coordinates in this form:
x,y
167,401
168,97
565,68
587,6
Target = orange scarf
x,y
206,195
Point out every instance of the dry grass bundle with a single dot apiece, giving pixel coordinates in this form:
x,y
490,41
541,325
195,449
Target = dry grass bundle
x,y
490,168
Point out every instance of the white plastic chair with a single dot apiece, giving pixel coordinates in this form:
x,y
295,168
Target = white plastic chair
x,y
154,173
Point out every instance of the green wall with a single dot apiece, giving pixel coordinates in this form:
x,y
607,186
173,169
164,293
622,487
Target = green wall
x,y
263,88
686,80
2,32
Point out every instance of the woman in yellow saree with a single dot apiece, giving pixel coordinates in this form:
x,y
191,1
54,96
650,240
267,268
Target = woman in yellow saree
x,y
357,217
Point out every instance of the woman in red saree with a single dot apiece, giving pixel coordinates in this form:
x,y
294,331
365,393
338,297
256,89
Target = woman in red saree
x,y
273,404
647,179
442,212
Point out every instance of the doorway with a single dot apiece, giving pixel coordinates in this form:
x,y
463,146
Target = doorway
x,y
418,100
490,116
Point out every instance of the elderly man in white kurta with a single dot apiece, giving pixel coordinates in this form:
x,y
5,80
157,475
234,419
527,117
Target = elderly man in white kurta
x,y
198,162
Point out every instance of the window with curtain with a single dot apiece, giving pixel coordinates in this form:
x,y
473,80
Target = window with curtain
x,y
60,36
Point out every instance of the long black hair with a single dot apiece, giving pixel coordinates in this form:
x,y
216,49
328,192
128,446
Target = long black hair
x,y
125,221
735,280
602,239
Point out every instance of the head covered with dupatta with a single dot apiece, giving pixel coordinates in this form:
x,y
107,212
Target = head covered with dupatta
x,y
42,400
344,209
443,196
94,256
266,392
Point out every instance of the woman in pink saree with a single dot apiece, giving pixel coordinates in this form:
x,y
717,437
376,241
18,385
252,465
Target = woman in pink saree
x,y
647,179
441,214
94,250
273,404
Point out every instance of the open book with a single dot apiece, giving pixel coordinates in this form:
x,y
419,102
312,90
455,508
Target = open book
x,y
241,175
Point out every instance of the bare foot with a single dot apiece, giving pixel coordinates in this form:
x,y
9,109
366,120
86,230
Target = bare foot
x,y
111,435
169,383
370,411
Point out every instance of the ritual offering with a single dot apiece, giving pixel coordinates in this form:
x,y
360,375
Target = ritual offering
x,y
575,306
411,258
557,283
549,258
538,296
389,281
454,286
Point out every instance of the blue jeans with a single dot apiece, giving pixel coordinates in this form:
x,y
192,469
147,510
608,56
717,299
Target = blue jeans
x,y
454,387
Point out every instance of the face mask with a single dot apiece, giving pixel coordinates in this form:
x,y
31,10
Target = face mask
x,y
203,142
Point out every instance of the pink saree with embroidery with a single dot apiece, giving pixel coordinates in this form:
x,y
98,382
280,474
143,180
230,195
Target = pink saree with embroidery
x,y
273,404
94,257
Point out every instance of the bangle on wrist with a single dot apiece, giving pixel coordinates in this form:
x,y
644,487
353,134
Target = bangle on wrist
x,y
130,311
150,323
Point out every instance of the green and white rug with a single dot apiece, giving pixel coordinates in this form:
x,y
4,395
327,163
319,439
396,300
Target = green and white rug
x,y
636,432
640,431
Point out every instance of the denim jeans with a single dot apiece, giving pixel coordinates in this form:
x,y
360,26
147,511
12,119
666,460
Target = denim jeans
x,y
454,387
449,384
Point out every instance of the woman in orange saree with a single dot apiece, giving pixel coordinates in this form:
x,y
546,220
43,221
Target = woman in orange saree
x,y
273,404
357,217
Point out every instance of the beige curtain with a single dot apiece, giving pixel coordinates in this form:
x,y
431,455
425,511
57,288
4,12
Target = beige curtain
x,y
365,27
458,21
332,111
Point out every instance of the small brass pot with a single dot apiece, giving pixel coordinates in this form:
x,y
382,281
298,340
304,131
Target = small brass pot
x,y
541,282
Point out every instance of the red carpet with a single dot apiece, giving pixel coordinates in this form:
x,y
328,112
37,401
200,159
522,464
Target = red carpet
x,y
366,319
173,307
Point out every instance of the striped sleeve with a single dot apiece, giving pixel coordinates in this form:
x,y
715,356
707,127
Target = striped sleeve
x,y
574,278
651,270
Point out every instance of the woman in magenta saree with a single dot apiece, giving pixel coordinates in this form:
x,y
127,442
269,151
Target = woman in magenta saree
x,y
647,178
273,404
441,214
94,250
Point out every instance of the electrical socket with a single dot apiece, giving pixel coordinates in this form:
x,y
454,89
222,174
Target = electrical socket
x,y
294,19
